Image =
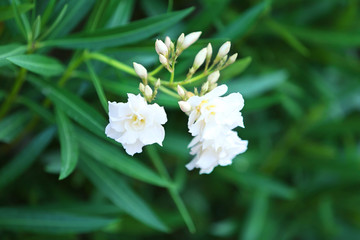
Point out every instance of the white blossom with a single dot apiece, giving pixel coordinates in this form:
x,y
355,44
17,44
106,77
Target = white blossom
x,y
223,50
135,124
211,120
161,48
232,59
190,39
213,77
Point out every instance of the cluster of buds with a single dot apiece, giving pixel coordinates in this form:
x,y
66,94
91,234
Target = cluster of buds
x,y
167,51
144,88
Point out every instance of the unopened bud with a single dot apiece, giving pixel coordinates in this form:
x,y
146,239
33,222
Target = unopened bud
x,y
208,52
140,70
223,61
190,39
180,40
223,50
161,48
184,106
205,87
232,59
148,91
163,60
189,94
212,78
142,87
180,91
200,58
158,83
168,42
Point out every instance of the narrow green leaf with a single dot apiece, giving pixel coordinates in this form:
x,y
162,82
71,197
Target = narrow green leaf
x,y
47,12
39,64
236,68
120,193
77,11
26,157
12,125
113,157
98,87
122,14
68,143
6,12
241,25
73,106
53,222
55,23
251,86
36,108
131,33
36,28
22,20
9,50
257,217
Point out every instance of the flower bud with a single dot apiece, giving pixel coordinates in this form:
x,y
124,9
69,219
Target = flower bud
x,y
180,40
180,91
205,87
140,70
148,92
190,39
208,52
184,106
212,78
163,60
157,83
200,58
224,50
161,48
189,94
168,42
142,87
223,61
232,59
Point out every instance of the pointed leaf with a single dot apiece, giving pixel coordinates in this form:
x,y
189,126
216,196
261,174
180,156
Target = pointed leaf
x,y
130,33
6,12
26,157
39,64
40,221
12,125
120,193
68,143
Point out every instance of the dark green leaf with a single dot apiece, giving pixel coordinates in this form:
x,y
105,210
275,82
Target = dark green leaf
x,y
73,106
120,193
26,157
130,33
68,143
12,125
236,68
40,221
122,14
241,25
6,12
113,157
39,64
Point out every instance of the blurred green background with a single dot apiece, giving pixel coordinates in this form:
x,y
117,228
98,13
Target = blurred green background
x,y
299,74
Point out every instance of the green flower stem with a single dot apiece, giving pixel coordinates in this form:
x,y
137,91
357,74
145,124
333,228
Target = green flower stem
x,y
129,70
194,79
156,70
159,165
14,92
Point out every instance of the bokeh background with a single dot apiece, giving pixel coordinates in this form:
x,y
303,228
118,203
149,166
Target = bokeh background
x,y
299,73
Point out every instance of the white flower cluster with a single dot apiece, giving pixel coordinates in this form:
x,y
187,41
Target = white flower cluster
x,y
212,119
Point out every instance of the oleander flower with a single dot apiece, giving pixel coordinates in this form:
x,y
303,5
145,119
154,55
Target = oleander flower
x,y
211,120
212,114
136,123
214,152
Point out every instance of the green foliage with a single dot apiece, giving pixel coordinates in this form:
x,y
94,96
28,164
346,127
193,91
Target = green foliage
x,y
298,71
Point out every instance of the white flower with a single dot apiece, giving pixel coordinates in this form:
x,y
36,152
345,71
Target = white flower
x,y
212,114
136,123
219,151
211,120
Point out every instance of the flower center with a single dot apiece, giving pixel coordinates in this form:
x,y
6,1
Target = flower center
x,y
137,121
